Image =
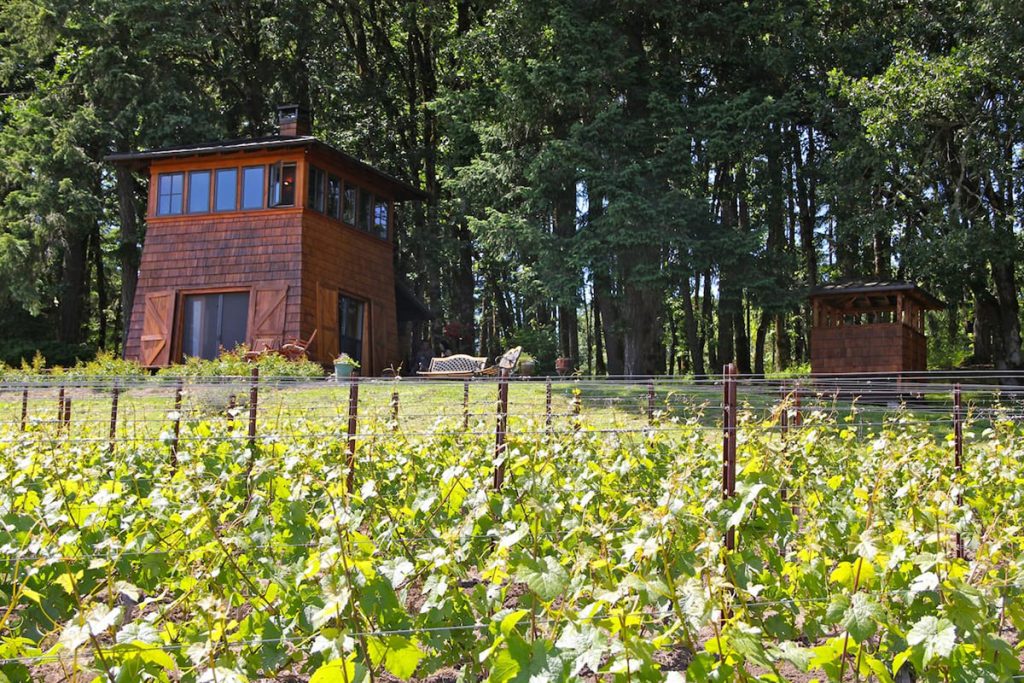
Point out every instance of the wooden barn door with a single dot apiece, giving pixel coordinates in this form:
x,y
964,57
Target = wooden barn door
x,y
156,329
267,318
326,324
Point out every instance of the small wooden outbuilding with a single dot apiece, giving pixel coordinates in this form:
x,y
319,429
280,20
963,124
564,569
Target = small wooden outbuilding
x,y
869,326
266,240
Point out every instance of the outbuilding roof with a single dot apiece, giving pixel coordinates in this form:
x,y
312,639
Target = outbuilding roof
x,y
876,288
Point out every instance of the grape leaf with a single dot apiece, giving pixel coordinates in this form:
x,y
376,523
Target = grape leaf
x,y
860,618
935,637
545,577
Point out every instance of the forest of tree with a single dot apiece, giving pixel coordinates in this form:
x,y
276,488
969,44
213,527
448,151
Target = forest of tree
x,y
643,186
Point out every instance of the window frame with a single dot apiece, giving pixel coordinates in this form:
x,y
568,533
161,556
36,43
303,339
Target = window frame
x,y
263,188
181,194
209,190
216,186
178,331
364,308
364,217
316,194
346,187
381,231
277,169
339,184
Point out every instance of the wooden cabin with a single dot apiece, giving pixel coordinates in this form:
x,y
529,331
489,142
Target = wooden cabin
x,y
262,241
868,327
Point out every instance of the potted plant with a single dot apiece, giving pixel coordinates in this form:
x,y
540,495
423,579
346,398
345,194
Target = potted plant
x,y
527,364
344,365
563,365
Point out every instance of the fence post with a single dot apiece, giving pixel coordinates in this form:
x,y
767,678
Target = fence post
x,y
254,397
115,395
67,414
177,423
547,403
797,417
784,430
465,405
784,414
60,408
24,407
577,406
729,443
499,430
650,403
958,449
394,409
353,417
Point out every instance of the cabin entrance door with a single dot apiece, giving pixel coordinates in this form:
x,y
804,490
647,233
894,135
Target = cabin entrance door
x,y
213,322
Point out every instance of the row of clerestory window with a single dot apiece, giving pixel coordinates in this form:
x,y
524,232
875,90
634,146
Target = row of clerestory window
x,y
347,202
259,187
225,189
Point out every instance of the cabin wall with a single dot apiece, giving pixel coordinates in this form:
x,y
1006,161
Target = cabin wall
x,y
340,259
241,250
879,347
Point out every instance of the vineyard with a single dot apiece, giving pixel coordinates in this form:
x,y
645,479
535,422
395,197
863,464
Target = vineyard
x,y
631,530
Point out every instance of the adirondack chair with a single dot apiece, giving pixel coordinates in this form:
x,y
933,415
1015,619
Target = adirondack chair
x,y
296,348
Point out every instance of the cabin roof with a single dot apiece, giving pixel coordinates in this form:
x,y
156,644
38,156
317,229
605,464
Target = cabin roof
x,y
402,190
876,288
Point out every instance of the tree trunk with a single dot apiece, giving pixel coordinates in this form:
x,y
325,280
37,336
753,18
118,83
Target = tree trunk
x,y
694,346
610,323
129,245
707,315
600,367
729,299
806,207
73,286
642,344
1009,316
101,287
783,348
759,344
986,326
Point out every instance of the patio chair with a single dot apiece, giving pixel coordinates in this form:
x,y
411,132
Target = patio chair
x,y
296,348
459,365
462,366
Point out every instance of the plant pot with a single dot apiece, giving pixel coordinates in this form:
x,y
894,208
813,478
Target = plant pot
x,y
343,370
527,368
563,365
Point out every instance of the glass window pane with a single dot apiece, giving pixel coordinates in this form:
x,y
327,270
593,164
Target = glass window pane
x,y
214,322
348,211
350,326
365,209
234,319
227,189
252,187
380,218
198,191
170,192
315,190
333,197
282,184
